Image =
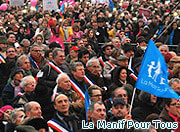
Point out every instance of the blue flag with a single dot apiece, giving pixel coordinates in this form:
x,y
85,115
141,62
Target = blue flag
x,y
86,102
111,5
153,74
62,8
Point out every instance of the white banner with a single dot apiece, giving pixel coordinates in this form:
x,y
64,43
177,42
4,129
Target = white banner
x,y
50,5
16,2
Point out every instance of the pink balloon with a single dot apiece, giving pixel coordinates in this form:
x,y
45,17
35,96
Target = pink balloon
x,y
33,2
3,7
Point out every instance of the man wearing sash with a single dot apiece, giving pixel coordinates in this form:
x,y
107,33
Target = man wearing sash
x,y
64,87
63,120
50,71
92,72
36,58
106,53
78,74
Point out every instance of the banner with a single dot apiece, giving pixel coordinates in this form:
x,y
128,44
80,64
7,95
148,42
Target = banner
x,y
50,5
16,2
145,12
153,74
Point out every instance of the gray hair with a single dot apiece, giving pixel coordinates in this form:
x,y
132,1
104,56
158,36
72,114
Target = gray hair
x,y
89,63
14,115
21,59
28,106
25,79
164,46
119,88
60,76
34,45
25,41
91,107
173,80
115,39
75,64
55,52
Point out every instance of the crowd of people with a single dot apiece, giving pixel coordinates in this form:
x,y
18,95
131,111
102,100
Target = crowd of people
x,y
51,60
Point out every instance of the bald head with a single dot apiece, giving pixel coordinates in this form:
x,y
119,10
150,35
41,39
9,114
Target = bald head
x,y
61,104
33,110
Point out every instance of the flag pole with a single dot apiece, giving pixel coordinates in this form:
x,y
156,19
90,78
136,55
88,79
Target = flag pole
x,y
132,100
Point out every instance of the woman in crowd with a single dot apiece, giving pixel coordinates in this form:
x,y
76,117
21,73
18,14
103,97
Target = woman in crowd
x,y
5,111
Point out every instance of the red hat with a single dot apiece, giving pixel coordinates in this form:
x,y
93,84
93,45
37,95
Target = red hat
x,y
74,48
51,22
3,109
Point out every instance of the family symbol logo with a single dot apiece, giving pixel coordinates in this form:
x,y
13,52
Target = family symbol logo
x,y
153,74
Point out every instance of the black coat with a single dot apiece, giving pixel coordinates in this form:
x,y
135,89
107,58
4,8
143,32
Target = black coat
x,y
71,121
8,94
5,71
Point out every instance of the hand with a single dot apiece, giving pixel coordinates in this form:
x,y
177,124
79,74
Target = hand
x,y
128,116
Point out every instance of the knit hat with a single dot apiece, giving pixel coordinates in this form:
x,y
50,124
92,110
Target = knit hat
x,y
3,109
15,71
51,22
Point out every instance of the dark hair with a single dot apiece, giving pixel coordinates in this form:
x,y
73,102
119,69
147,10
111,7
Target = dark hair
x,y
167,101
93,87
47,53
55,52
82,53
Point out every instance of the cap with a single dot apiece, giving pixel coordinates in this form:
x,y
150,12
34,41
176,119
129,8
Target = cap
x,y
121,58
74,48
3,40
100,19
34,23
106,45
118,101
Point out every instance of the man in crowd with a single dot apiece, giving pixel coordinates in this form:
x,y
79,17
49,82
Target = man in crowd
x,y
93,72
33,109
63,118
78,76
95,93
36,58
6,68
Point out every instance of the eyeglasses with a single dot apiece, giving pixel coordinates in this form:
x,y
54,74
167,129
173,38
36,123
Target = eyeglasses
x,y
36,50
31,84
122,95
95,66
11,51
98,95
164,50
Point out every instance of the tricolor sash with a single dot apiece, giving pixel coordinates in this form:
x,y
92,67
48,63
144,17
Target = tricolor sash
x,y
86,79
77,89
2,59
34,64
56,125
101,61
112,65
133,76
73,85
